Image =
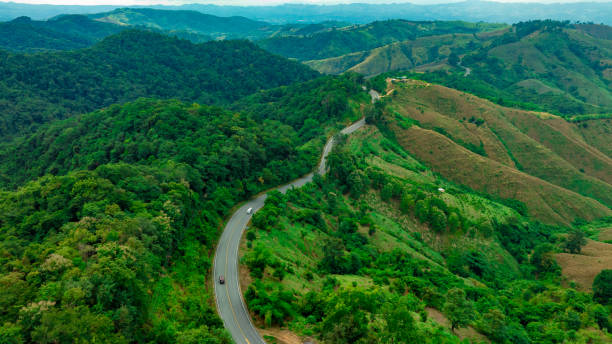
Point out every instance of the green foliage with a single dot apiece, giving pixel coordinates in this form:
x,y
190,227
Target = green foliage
x,y
575,240
39,88
602,287
379,298
458,309
216,149
270,302
121,241
543,260
92,247
308,106
62,33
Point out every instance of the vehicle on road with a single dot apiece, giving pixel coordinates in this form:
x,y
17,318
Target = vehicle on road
x,y
250,211
221,279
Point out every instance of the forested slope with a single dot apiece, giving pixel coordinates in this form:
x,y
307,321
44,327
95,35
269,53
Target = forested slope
x,y
116,244
62,33
39,88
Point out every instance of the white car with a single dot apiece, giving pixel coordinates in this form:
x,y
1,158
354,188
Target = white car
x,y
250,211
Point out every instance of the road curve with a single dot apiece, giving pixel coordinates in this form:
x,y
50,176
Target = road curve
x,y
228,296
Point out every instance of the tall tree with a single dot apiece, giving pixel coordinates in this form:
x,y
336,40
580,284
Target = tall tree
x,y
575,241
602,287
458,309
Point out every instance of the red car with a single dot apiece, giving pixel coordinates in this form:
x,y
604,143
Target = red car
x,y
221,279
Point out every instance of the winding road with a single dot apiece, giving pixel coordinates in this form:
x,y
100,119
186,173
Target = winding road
x,y
228,296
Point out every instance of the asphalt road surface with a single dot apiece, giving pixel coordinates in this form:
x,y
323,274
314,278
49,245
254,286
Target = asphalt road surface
x,y
230,304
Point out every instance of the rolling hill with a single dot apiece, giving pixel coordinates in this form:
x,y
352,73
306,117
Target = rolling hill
x,y
341,41
186,22
41,87
62,33
404,55
473,11
546,65
539,159
553,63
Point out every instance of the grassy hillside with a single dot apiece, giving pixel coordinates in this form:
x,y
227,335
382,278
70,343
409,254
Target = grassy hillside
x,y
337,42
39,88
551,66
397,56
597,133
62,33
558,67
536,158
375,244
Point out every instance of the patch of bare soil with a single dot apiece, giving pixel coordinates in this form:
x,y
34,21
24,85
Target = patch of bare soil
x,y
282,336
463,333
582,268
605,234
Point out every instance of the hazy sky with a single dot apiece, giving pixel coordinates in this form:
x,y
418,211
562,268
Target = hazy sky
x,y
256,2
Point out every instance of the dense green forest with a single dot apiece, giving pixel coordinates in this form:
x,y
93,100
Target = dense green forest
x,y
114,243
62,33
374,250
38,88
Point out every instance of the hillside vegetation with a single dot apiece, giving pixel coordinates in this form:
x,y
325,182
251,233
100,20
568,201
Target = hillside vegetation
x,y
114,243
341,41
548,66
404,55
376,252
564,67
62,33
536,158
39,88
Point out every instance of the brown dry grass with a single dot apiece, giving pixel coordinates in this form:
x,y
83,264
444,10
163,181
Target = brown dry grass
x,y
605,234
463,333
547,202
598,133
549,151
582,268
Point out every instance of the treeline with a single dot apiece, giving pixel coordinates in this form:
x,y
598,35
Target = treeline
x,y
113,244
39,88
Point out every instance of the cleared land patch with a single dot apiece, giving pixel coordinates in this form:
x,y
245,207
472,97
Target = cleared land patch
x,y
582,268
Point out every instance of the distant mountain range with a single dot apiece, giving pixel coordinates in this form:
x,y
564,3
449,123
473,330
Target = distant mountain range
x,y
74,31
473,11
